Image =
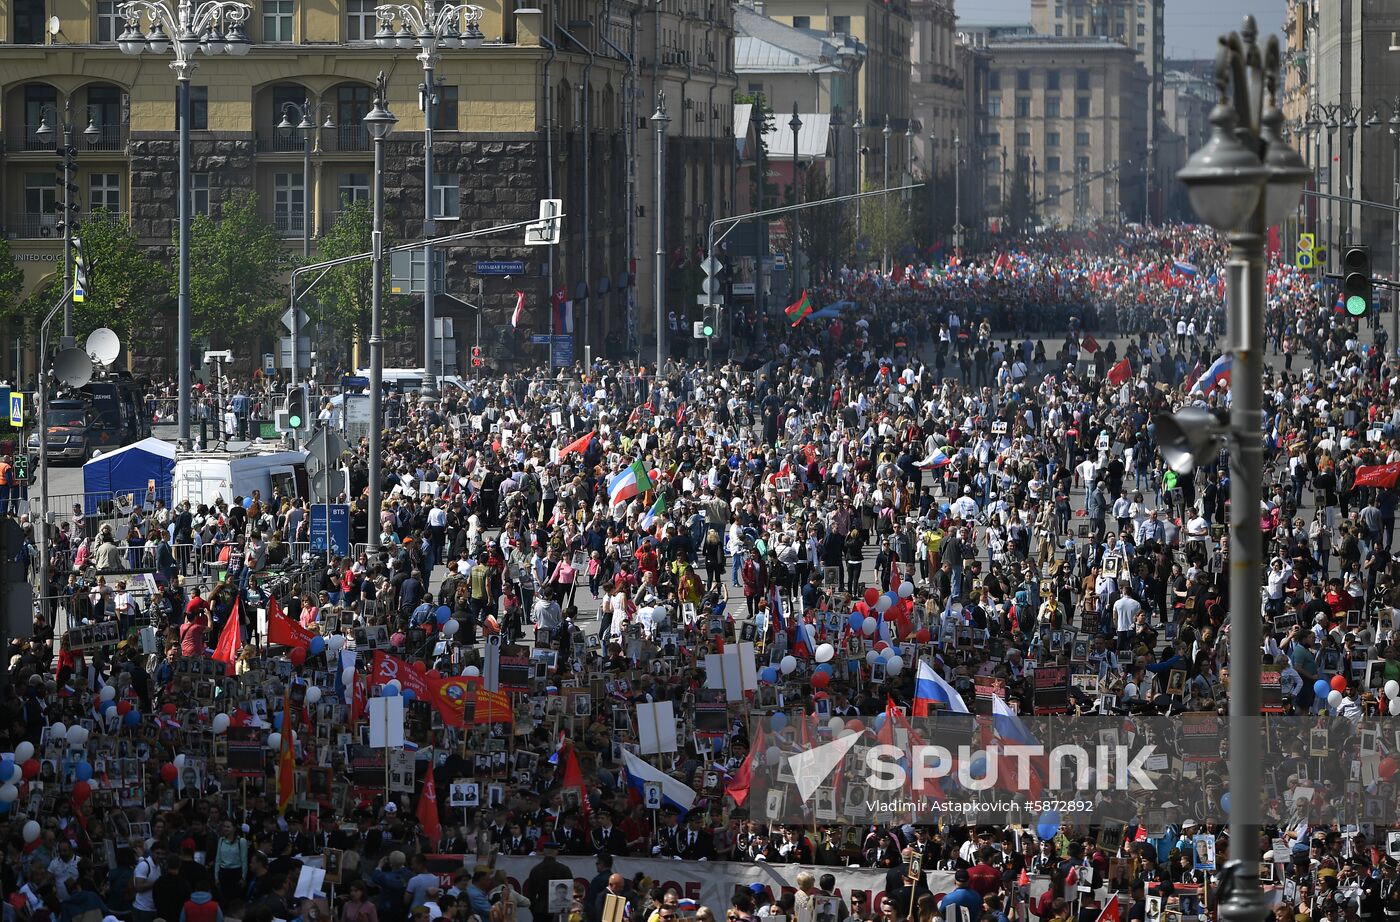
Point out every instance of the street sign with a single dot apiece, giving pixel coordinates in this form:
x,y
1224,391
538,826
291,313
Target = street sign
x,y
779,261
540,339
710,300
563,351
500,267
711,265
1307,242
16,408
302,319
1320,256
1303,259
339,528
354,382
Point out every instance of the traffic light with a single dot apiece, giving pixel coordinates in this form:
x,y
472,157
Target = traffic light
x,y
1356,281
298,409
478,357
709,323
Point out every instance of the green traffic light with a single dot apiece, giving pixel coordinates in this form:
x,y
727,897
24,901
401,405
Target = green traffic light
x,y
708,330
1356,306
294,422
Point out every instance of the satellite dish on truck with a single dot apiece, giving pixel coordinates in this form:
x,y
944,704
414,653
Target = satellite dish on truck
x,y
103,345
72,367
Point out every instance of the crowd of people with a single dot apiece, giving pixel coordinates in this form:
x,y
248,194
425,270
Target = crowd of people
x,y
953,481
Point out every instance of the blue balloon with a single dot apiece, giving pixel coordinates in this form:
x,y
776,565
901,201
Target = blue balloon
x,y
408,694
856,620
389,691
826,667
4,807
979,767
879,722
247,502
443,614
132,718
778,722
277,720
769,675
318,645
1225,801
82,771
1321,688
108,706
7,768
893,596
1049,825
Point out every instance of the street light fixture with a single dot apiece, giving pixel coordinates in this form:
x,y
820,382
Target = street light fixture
x,y
213,27
659,122
45,132
858,129
430,27
795,123
1244,178
378,122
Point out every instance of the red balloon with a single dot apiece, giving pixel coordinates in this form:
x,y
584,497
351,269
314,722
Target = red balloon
x,y
168,773
419,666
861,607
81,792
169,708
30,769
872,595
1339,683
298,656
123,707
881,646
820,680
923,636
433,674
891,613
1388,767
855,725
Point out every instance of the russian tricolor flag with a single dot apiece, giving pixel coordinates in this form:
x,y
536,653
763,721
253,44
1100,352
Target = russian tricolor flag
x,y
805,641
929,688
1216,374
1186,269
937,459
673,792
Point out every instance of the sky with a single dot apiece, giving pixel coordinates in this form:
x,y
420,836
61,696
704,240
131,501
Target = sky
x,y
1192,25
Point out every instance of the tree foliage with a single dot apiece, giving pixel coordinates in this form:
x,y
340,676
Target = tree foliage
x,y
826,231
11,284
236,266
343,298
884,224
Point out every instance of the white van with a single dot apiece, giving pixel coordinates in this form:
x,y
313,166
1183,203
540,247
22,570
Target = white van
x,y
205,476
411,379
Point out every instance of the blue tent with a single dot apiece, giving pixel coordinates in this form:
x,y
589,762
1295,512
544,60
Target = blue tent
x,y
832,311
129,470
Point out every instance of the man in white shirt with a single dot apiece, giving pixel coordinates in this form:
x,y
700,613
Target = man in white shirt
x,y
144,881
1125,612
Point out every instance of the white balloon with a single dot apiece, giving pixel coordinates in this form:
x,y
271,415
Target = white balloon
x,y
180,761
1392,690
16,774
1334,698
77,735
24,751
869,626
274,740
31,831
906,590
471,672
773,755
347,675
836,724
788,664
882,604
894,665
58,729
335,643
451,628
108,692
1395,707
825,653
221,722
872,657
313,694
8,793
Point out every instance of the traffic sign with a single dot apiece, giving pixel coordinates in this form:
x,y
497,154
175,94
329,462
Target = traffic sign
x,y
339,530
16,408
1303,259
1307,242
302,319
540,339
354,382
711,265
779,261
1320,256
500,267
706,300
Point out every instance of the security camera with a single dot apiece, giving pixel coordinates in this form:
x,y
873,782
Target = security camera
x,y
224,356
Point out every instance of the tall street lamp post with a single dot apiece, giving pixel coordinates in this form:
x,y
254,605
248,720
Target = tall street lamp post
x,y
214,27
758,124
378,122
884,209
858,129
306,124
659,122
44,132
957,195
1393,124
430,27
1243,181
795,123
909,169
1147,183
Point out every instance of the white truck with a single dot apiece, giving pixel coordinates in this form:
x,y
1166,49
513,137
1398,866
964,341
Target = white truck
x,y
204,477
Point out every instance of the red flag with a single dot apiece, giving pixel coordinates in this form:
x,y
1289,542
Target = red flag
x,y
579,445
230,639
428,809
894,576
738,787
357,699
286,762
1089,344
1119,373
284,631
573,778
1110,910
1377,475
680,414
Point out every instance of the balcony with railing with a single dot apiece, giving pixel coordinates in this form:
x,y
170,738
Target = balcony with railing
x,y
289,224
280,142
28,226
350,138
104,137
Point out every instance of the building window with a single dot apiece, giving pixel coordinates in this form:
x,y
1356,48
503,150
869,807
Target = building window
x,y
841,24
1023,79
1081,164
1059,30
37,96
447,195
105,191
1052,107
1141,29
360,20
353,187
1081,107
110,22
1052,79
994,139
1142,9
1141,46
1052,164
1081,139
1023,139
802,22
40,199
199,193
1052,191
994,107
1059,12
277,20
1079,31
994,80
1081,79
445,113
1023,107
288,200
755,89
1052,139
30,22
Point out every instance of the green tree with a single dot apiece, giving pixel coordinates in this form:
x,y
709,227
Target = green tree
x,y
884,223
343,298
1019,207
236,266
11,283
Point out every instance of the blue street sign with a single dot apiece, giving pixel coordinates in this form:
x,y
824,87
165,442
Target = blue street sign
x,y
339,528
540,339
351,382
500,267
563,351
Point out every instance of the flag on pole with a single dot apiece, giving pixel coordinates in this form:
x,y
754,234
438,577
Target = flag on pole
x,y
799,309
632,481
428,809
579,445
1110,910
1120,372
573,778
230,639
930,688
519,311
286,761
1186,269
738,787
1218,373
656,509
